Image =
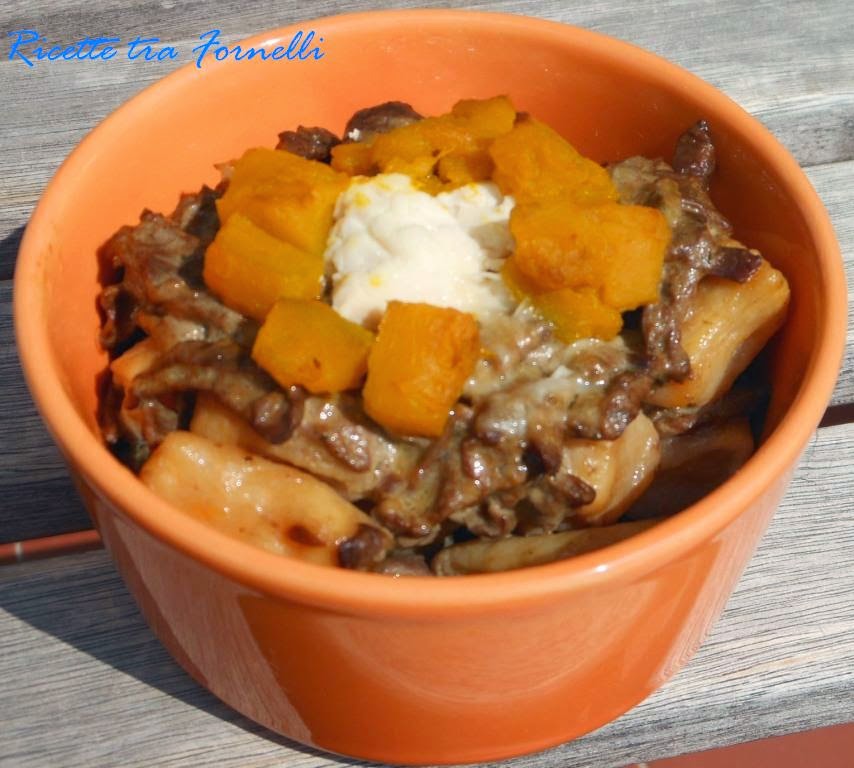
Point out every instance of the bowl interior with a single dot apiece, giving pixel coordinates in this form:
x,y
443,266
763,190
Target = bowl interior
x,y
610,99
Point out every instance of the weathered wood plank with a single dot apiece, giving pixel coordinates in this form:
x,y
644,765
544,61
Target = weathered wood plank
x,y
788,64
79,663
38,498
834,184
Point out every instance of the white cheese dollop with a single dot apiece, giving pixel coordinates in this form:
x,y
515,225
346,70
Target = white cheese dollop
x,y
392,241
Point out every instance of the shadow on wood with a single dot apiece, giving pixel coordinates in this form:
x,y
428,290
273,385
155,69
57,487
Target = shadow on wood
x,y
81,601
9,252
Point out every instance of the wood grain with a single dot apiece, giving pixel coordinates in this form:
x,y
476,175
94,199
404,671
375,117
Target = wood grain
x,y
78,662
38,498
834,184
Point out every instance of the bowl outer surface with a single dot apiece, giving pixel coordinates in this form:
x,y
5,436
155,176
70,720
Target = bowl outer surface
x,y
311,648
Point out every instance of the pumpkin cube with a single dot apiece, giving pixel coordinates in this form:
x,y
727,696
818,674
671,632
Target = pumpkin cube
x,y
617,248
286,195
552,245
355,158
458,169
485,118
575,313
534,162
418,366
307,343
628,244
249,269
578,314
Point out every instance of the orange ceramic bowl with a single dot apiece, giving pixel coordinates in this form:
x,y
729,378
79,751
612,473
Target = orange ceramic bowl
x,y
400,670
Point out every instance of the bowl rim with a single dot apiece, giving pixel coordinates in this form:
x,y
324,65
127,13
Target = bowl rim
x,y
364,593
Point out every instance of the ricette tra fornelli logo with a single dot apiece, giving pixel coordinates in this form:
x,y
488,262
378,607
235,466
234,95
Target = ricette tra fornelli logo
x,y
31,48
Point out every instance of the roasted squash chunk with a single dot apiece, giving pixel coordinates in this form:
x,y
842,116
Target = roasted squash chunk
x,y
249,269
485,118
553,245
286,195
629,243
618,249
576,313
460,169
438,152
418,365
307,343
355,158
534,162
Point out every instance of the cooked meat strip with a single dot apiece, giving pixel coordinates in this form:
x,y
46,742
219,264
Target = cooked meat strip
x,y
404,563
350,446
493,518
119,309
276,415
364,549
695,152
701,242
661,328
550,500
311,143
204,344
152,254
335,441
741,399
476,483
446,484
225,369
196,214
622,402
407,505
734,263
382,118
146,424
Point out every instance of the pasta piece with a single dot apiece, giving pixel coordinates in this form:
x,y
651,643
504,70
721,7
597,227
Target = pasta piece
x,y
138,359
618,470
486,556
273,506
728,325
694,464
307,446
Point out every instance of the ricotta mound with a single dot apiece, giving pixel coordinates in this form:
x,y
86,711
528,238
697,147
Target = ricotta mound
x,y
392,241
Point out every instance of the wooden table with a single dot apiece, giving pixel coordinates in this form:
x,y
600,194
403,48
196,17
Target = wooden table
x,y
82,680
